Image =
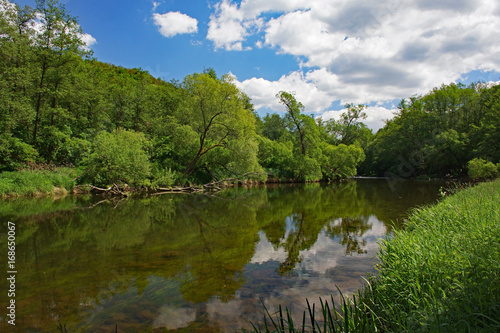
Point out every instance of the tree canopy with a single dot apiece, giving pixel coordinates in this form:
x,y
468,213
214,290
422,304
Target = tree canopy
x,y
437,134
61,106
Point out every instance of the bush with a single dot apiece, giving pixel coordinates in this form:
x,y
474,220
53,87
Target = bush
x,y
306,169
340,161
479,168
59,147
164,178
118,157
14,153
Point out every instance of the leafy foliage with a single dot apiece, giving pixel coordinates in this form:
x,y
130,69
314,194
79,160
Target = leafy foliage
x,y
119,157
479,168
297,147
57,101
438,133
14,153
225,129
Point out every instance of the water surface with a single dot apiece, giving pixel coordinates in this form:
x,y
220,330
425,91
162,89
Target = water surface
x,y
195,262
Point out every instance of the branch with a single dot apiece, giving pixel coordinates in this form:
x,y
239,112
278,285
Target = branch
x,y
113,189
213,186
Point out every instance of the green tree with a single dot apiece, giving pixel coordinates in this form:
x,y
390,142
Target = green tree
x,y
274,128
349,129
56,45
294,116
119,157
225,129
438,133
16,70
277,157
479,168
484,134
14,153
340,161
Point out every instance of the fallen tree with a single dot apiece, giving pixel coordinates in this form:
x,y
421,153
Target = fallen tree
x,y
212,186
216,186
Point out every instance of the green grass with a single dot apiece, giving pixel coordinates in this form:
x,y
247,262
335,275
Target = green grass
x,y
350,317
441,273
35,182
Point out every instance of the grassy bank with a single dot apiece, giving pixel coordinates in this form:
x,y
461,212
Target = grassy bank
x,y
36,182
440,274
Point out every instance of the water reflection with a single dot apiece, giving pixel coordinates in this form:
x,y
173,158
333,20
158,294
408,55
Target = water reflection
x,y
195,262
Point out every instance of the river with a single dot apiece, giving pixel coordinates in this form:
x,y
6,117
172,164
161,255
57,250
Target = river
x,y
200,263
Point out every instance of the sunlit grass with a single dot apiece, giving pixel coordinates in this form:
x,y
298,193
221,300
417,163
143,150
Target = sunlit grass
x,y
441,273
34,182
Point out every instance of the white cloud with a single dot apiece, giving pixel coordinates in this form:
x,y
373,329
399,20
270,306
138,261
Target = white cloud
x,y
263,92
362,52
155,5
265,251
175,23
89,40
231,23
228,26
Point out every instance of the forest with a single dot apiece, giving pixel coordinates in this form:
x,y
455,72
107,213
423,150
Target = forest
x,y
60,107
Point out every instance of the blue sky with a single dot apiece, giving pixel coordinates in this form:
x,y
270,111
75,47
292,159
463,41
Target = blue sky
x,y
329,52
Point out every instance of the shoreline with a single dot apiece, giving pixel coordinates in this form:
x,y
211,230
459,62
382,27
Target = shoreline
x,y
439,273
59,189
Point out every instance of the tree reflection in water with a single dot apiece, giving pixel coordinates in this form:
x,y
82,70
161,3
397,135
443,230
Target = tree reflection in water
x,y
350,232
197,262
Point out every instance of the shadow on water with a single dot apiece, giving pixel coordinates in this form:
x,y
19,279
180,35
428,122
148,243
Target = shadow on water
x,y
195,262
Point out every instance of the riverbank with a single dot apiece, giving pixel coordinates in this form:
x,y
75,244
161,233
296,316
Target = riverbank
x,y
441,273
49,180
56,181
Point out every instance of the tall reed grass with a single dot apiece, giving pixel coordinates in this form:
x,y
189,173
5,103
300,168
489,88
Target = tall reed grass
x,y
441,273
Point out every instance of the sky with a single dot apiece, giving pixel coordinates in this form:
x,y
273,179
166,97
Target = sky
x,y
327,52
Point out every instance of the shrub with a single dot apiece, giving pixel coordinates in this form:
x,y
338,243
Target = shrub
x,y
164,178
14,153
479,168
60,147
118,157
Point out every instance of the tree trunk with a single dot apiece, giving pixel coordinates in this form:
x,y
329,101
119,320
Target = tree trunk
x,y
190,168
39,103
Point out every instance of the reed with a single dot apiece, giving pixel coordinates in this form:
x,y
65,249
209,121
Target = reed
x,y
442,271
353,316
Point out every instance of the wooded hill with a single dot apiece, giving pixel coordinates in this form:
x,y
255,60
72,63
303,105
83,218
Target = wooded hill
x,y
60,106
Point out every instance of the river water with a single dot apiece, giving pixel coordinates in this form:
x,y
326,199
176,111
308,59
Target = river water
x,y
196,263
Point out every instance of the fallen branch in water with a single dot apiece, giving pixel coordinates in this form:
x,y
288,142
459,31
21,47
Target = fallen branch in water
x,y
217,186
113,189
212,186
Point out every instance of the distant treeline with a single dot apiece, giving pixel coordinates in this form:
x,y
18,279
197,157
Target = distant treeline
x,y
449,131
60,106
